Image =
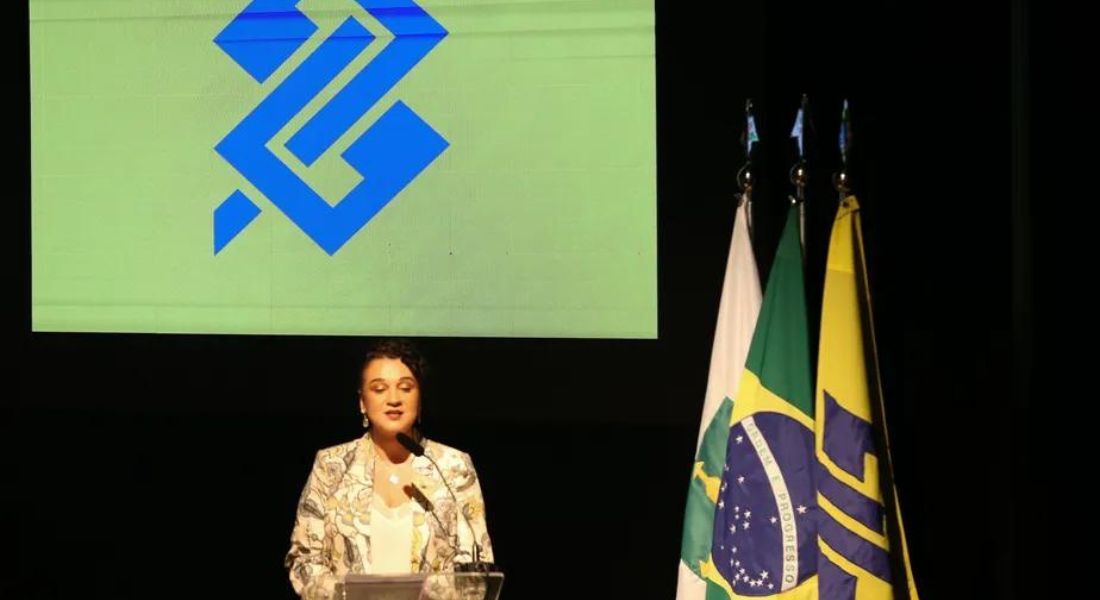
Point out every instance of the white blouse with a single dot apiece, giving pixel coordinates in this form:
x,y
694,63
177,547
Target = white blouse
x,y
390,537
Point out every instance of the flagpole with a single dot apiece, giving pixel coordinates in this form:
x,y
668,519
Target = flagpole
x,y
798,173
841,181
748,138
745,178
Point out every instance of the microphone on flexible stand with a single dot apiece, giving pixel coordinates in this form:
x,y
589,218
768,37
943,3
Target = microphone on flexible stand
x,y
418,450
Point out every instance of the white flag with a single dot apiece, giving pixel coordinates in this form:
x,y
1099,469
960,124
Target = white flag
x,y
737,313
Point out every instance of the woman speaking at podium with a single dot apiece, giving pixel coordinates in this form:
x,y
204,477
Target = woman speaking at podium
x,y
378,504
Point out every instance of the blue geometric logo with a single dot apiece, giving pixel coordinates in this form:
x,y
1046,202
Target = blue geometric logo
x,y
392,152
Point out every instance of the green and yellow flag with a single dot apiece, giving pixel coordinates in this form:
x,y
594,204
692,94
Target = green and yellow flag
x,y
764,523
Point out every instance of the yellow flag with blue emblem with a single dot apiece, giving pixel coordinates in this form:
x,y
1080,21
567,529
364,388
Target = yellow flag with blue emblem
x,y
863,554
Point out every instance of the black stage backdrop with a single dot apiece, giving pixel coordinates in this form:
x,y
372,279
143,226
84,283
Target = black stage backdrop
x,y
133,462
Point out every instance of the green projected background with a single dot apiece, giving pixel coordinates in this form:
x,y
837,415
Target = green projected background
x,y
537,220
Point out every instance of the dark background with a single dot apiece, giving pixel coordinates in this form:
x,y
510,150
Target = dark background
x,y
135,459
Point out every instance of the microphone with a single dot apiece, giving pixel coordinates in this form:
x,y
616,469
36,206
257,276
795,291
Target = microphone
x,y
410,444
418,450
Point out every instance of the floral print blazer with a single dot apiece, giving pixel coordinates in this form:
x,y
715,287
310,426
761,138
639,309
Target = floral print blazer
x,y
331,536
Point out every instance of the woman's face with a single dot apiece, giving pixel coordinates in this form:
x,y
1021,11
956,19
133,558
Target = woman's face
x,y
390,396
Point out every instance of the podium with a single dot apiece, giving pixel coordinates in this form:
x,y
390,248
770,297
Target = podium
x,y
422,586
